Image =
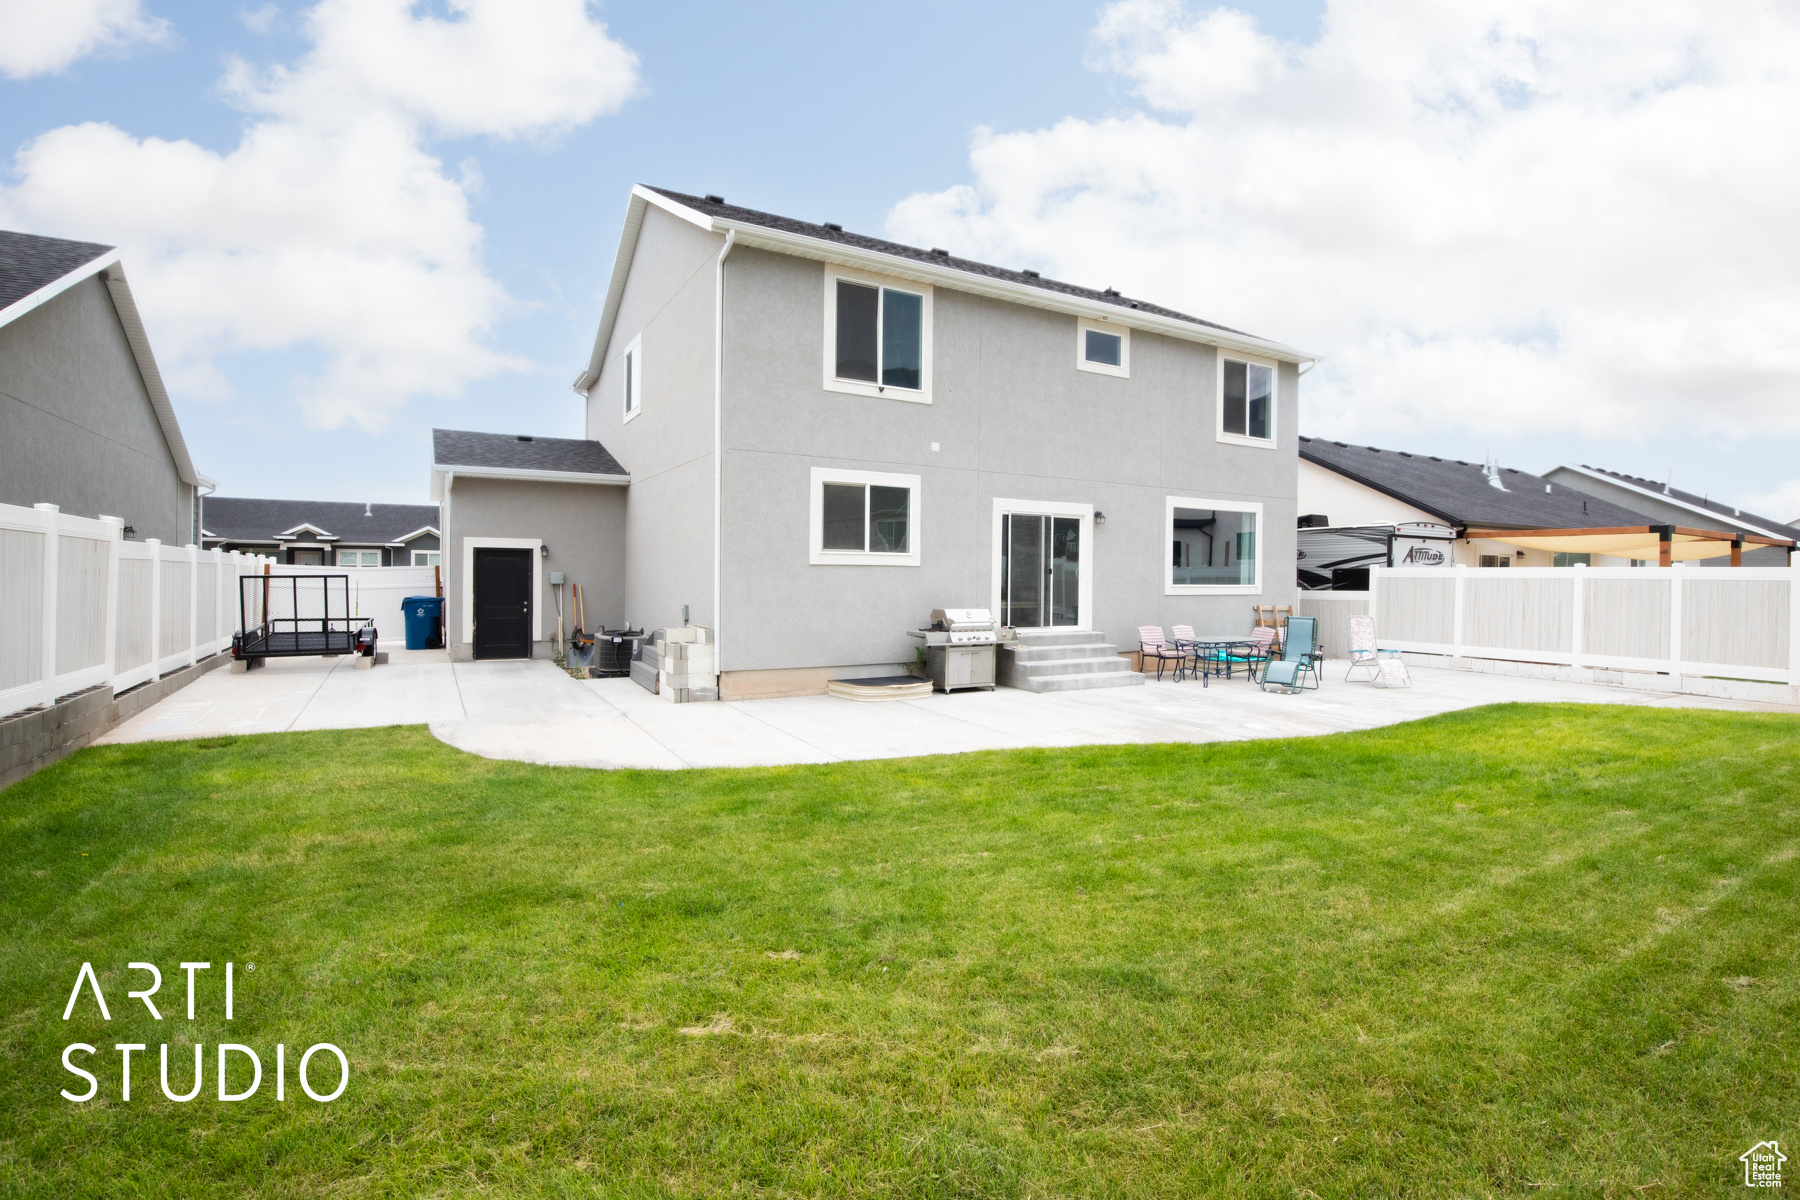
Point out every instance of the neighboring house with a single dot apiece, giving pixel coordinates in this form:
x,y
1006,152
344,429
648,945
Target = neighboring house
x,y
828,436
1345,490
1672,506
85,421
323,533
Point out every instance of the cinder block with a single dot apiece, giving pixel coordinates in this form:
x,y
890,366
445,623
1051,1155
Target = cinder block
x,y
684,633
364,662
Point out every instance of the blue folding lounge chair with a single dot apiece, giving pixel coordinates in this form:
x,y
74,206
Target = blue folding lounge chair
x,y
1299,657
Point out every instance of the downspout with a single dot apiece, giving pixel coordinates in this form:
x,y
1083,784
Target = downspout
x,y
719,451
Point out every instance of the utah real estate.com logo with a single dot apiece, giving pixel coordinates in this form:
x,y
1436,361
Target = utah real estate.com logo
x,y
1762,1164
247,1056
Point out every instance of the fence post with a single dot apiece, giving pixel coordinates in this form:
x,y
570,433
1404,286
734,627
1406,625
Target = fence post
x,y
1793,625
1374,592
1459,575
193,603
218,599
1580,578
112,596
155,545
1675,574
52,543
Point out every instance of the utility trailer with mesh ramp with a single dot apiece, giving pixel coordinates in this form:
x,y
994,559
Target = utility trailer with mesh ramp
x,y
289,616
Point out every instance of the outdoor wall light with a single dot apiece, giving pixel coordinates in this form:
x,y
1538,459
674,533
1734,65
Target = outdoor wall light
x,y
544,549
1099,518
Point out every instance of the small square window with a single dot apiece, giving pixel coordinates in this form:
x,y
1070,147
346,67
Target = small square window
x,y
1246,401
359,558
864,517
1496,560
426,558
1103,348
1565,559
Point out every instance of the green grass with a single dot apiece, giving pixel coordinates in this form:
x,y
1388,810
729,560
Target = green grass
x,y
1526,950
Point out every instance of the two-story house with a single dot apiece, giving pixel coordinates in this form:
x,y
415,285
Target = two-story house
x,y
806,440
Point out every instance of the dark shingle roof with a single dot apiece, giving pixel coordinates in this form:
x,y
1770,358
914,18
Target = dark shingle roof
x,y
461,448
1460,494
241,519
825,233
1731,515
29,262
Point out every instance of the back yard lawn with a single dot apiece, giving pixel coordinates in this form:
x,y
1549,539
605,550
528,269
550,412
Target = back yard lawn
x,y
1513,951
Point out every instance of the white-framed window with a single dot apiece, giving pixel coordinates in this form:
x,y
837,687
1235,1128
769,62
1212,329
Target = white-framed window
x,y
359,558
877,336
864,518
1212,547
632,371
426,558
1246,400
1103,348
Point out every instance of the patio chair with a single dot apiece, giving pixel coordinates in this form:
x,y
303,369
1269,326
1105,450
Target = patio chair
x,y
1153,645
1299,657
1252,658
1388,668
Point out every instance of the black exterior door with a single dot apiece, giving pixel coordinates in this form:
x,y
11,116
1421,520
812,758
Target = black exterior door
x,y
502,603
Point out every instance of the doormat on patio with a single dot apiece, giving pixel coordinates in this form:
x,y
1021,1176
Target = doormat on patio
x,y
885,687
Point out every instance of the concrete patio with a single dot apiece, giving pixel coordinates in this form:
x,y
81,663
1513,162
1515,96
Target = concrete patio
x,y
533,712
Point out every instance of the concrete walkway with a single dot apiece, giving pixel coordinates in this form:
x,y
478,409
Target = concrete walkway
x,y
533,712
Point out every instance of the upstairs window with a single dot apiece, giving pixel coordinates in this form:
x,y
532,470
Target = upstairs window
x,y
1103,348
878,338
865,517
1246,401
633,371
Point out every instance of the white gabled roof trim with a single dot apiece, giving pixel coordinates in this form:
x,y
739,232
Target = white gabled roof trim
x,y
1678,502
801,246
57,287
126,307
523,473
421,531
307,527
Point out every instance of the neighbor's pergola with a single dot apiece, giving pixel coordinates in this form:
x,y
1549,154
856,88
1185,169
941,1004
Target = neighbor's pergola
x,y
1665,543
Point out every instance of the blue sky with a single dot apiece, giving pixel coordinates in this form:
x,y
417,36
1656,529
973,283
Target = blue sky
x,y
843,113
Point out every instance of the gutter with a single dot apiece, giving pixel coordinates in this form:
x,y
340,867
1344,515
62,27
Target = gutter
x,y
719,450
528,474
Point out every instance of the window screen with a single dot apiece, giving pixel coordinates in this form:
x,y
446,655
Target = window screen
x,y
858,312
1104,348
844,516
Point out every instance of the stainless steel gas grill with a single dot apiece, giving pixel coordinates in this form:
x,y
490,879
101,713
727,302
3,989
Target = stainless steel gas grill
x,y
959,648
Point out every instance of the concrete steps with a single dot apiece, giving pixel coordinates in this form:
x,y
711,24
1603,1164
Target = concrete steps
x,y
1064,661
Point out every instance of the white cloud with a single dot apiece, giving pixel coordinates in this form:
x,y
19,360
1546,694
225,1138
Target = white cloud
x,y
331,227
1509,216
41,37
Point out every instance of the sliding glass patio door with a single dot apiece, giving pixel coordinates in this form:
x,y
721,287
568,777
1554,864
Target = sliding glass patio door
x,y
1040,570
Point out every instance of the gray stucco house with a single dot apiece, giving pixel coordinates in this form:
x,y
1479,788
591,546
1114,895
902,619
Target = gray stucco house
x,y
809,439
85,421
322,532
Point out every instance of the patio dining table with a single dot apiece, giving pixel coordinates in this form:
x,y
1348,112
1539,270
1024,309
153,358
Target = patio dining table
x,y
1212,655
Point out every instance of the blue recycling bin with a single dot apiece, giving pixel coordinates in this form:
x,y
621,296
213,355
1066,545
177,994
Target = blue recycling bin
x,y
423,615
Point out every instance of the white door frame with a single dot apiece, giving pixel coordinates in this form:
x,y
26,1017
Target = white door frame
x,y
1084,591
469,546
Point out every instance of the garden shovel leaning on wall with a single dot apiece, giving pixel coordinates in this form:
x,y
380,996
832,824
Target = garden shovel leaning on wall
x,y
581,644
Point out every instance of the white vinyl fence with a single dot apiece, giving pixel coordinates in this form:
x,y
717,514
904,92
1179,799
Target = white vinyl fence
x,y
80,605
1735,623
